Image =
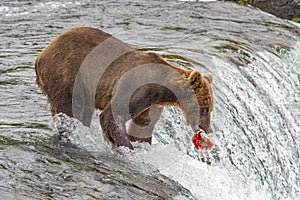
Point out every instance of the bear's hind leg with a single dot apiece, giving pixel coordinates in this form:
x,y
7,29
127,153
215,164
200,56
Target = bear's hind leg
x,y
141,127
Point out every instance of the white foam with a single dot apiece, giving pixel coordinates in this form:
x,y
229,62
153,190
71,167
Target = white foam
x,y
204,181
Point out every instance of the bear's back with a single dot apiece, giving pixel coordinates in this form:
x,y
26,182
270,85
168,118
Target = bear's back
x,y
65,54
58,64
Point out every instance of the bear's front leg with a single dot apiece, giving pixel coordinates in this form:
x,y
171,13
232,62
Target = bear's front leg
x,y
113,128
141,127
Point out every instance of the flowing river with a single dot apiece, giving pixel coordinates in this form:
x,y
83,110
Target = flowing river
x,y
254,59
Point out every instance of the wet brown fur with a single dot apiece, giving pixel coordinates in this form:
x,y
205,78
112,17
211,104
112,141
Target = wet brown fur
x,y
58,64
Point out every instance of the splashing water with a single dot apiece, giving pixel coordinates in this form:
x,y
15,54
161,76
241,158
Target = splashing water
x,y
257,148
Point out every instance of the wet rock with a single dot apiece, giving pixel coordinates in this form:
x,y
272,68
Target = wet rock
x,y
287,9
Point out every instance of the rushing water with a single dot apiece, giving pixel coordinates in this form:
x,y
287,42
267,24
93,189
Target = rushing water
x,y
254,59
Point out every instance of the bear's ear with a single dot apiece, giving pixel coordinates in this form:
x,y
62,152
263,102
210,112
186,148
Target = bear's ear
x,y
195,79
208,77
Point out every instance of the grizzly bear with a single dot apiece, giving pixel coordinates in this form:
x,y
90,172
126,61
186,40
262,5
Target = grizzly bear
x,y
84,69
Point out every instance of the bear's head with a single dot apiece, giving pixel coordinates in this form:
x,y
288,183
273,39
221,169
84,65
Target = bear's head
x,y
203,90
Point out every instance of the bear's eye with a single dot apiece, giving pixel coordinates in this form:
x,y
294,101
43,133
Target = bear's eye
x,y
204,111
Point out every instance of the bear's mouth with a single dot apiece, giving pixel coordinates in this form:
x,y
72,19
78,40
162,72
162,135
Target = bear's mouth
x,y
205,128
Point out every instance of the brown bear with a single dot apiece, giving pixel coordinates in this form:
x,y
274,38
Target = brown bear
x,y
85,68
